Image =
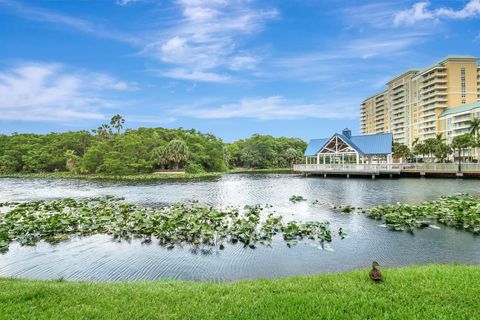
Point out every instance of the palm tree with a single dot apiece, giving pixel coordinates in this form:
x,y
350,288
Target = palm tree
x,y
117,122
439,137
177,152
103,132
460,143
400,151
415,141
159,156
72,160
421,149
474,125
430,145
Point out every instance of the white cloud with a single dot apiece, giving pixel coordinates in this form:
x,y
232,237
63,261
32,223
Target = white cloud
x,y
420,12
381,45
365,14
345,57
243,62
49,16
126,2
471,9
270,108
105,81
52,92
206,38
204,41
197,75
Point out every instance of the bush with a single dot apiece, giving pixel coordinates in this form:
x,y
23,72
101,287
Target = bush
x,y
192,167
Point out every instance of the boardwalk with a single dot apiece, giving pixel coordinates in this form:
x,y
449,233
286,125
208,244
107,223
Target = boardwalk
x,y
391,169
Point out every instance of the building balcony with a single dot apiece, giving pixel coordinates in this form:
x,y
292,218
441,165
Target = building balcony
x,y
435,100
399,115
398,87
434,73
435,88
439,81
432,107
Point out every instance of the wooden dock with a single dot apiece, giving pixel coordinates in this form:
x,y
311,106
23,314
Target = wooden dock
x,y
391,169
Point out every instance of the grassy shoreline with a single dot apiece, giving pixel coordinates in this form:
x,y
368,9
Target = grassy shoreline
x,y
141,177
265,171
415,292
136,177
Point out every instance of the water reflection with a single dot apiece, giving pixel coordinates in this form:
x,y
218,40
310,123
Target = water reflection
x,y
100,258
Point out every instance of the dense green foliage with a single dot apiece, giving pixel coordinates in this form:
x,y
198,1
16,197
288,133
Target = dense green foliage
x,y
191,223
264,152
109,151
436,149
460,211
419,292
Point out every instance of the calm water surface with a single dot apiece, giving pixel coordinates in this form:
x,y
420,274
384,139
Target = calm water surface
x,y
100,258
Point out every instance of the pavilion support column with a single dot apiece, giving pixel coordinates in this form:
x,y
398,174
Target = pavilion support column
x,y
358,158
323,159
318,159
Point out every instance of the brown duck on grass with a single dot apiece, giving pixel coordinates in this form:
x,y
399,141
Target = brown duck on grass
x,y
375,273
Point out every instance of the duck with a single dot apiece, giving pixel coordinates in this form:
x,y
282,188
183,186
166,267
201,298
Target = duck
x,y
375,273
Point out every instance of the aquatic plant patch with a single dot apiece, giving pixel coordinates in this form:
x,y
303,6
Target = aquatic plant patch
x,y
296,199
459,211
347,208
183,223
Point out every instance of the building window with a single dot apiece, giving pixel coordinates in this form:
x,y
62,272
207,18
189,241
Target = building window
x,y
462,80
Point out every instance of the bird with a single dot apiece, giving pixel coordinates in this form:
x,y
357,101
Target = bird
x,y
375,273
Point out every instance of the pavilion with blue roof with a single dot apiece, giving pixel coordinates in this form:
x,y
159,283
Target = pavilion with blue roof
x,y
344,148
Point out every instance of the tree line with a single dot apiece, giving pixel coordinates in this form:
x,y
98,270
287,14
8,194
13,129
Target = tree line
x,y
437,150
109,149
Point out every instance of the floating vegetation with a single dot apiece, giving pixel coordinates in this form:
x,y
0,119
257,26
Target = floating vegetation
x,y
348,209
296,199
191,223
459,211
343,208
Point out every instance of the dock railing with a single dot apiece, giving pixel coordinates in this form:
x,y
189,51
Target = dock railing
x,y
441,167
387,167
348,168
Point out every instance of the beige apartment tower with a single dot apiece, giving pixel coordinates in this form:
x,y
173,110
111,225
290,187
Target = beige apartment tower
x,y
412,105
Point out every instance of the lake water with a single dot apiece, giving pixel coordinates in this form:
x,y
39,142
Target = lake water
x,y
102,259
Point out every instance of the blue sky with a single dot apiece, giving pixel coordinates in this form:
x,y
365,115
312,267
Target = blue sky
x,y
230,67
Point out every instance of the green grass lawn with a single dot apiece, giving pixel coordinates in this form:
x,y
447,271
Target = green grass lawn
x,y
419,292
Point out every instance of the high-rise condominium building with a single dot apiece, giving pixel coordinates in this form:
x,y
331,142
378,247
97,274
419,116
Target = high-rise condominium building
x,y
413,103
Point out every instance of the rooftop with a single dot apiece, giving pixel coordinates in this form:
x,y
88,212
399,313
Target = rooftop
x,y
463,108
441,62
373,144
